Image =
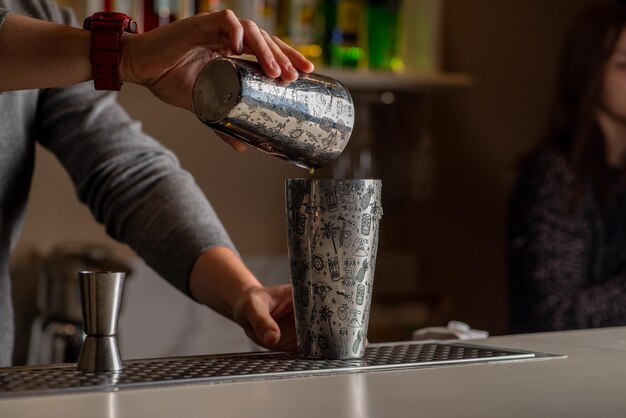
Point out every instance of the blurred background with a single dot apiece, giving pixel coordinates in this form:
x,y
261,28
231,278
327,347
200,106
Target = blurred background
x,y
449,94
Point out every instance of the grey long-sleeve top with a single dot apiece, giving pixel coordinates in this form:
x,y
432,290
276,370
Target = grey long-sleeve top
x,y
567,269
129,181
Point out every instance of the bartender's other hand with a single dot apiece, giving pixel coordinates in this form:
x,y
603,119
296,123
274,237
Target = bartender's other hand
x,y
168,59
266,314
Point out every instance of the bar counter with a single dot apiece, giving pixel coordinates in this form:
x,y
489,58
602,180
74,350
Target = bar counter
x,y
589,382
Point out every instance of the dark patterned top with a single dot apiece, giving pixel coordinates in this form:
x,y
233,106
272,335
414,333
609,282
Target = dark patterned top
x,y
567,269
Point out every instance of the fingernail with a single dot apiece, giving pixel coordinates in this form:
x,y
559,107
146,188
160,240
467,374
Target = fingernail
x,y
275,65
241,47
270,337
292,70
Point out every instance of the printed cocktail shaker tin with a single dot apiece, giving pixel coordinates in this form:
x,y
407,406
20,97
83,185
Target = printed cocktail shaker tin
x,y
307,122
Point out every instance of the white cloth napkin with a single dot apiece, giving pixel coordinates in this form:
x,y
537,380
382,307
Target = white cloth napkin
x,y
456,330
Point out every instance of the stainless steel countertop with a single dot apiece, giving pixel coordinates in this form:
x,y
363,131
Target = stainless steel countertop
x,y
589,382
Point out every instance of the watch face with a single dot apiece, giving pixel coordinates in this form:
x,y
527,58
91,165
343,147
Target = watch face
x,y
126,22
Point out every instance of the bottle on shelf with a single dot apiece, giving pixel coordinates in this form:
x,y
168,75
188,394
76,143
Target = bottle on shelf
x,y
382,35
262,12
159,12
421,35
304,29
344,34
202,6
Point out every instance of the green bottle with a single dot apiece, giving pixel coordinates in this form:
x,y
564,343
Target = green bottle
x,y
382,34
344,20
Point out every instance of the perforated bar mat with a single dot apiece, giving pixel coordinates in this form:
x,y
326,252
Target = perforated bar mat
x,y
64,378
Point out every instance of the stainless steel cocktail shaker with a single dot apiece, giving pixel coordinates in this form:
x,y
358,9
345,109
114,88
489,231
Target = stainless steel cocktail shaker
x,y
332,230
307,122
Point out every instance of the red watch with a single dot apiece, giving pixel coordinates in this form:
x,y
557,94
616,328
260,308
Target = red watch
x,y
107,29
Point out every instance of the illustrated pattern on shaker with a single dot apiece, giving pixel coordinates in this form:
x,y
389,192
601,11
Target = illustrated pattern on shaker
x,y
310,119
332,244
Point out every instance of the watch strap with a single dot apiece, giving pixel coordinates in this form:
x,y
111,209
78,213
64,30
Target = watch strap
x,y
107,29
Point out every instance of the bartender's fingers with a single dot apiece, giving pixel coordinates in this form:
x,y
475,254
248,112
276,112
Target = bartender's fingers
x,y
297,59
288,72
229,23
235,143
255,43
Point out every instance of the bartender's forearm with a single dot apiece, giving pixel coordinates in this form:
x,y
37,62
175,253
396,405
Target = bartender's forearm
x,y
39,54
218,278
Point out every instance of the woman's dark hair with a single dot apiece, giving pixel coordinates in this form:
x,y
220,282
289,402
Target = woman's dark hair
x,y
573,127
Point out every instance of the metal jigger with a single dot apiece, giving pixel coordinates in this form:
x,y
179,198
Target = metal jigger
x,y
101,297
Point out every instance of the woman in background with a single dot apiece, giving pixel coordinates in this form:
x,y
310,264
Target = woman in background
x,y
567,218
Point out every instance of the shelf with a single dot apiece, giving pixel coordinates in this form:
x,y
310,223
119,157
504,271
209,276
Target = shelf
x,y
372,80
376,81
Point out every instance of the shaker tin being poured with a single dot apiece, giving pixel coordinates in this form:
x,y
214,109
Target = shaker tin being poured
x,y
307,122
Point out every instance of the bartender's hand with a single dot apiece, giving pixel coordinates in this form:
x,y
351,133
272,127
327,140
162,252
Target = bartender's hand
x,y
266,314
168,59
220,280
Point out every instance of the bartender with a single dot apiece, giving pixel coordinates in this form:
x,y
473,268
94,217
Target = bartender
x,y
131,183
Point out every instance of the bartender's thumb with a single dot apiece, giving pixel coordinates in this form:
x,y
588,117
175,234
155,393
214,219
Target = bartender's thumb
x,y
271,338
258,322
265,328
